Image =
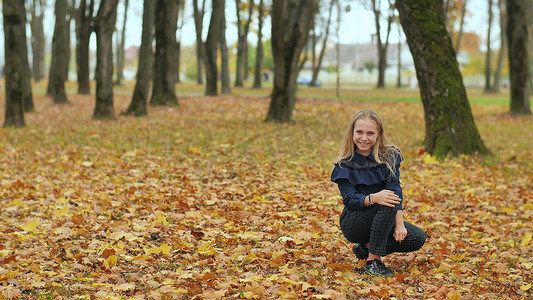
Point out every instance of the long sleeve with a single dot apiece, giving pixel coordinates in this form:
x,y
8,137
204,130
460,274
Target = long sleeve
x,y
393,184
351,197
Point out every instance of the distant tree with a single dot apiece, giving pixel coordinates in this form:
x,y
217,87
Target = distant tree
x,y
104,27
291,23
503,43
37,9
166,24
14,15
181,23
243,27
211,43
84,29
259,49
376,7
450,126
518,22
120,46
224,78
26,79
198,14
317,63
60,53
488,53
144,69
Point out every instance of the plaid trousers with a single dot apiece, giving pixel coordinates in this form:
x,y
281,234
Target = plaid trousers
x,y
375,225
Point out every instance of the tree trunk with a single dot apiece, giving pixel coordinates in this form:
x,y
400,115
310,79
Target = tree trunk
x,y
488,54
318,66
104,26
166,24
83,36
259,49
517,36
60,53
213,39
224,56
503,43
450,126
120,47
37,39
200,47
382,49
14,40
338,50
242,33
26,79
144,69
291,22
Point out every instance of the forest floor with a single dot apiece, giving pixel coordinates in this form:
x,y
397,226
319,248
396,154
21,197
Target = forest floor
x,y
207,201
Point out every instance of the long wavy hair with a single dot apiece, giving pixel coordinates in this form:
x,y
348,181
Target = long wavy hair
x,y
384,151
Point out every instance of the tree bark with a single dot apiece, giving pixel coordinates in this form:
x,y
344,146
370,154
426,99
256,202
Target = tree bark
x,y
120,47
14,39
104,26
488,54
200,46
291,22
26,79
37,39
60,53
144,69
211,43
83,36
517,36
450,126
224,56
259,49
166,24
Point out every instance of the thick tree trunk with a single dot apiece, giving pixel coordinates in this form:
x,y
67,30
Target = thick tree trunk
x,y
224,56
200,47
488,54
120,47
83,35
316,69
144,69
166,24
517,36
37,40
259,49
450,126
60,53
14,40
213,39
291,21
104,26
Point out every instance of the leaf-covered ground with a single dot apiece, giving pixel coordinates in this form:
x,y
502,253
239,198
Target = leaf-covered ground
x,y
206,201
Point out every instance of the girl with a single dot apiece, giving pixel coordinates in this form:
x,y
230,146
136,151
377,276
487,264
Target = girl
x,y
367,171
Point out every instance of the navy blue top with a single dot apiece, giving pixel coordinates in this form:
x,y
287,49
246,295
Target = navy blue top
x,y
361,176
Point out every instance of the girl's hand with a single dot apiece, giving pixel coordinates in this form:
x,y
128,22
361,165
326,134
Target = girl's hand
x,y
399,233
386,198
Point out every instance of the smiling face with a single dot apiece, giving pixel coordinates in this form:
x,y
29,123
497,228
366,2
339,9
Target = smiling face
x,y
365,134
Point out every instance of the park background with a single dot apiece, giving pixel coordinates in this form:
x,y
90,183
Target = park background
x,y
205,200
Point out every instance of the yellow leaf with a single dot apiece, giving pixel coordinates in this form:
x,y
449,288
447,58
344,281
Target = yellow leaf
x,y
430,160
87,164
31,226
111,261
152,250
164,248
526,239
525,287
527,265
206,249
160,218
61,212
454,296
11,274
528,206
196,150
508,209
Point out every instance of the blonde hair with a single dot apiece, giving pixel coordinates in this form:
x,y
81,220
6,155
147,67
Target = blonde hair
x,y
384,151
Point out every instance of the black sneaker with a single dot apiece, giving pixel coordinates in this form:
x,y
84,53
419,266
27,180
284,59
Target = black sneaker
x,y
360,250
378,268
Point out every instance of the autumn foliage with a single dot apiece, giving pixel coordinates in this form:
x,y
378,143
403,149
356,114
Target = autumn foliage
x,y
207,201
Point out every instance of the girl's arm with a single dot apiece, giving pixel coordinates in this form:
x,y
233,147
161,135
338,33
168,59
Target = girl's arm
x,y
399,230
